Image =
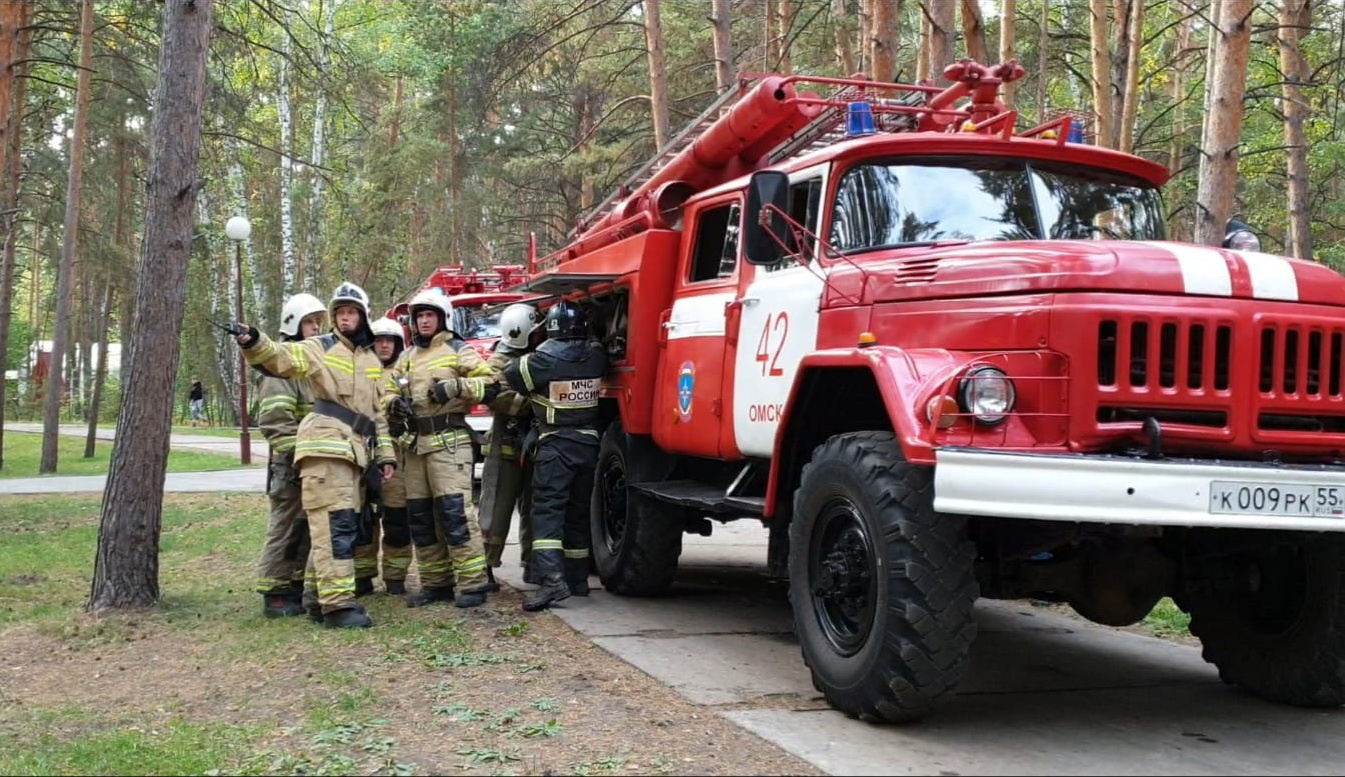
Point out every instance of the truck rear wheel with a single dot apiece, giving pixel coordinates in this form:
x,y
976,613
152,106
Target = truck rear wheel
x,y
636,540
882,586
1276,626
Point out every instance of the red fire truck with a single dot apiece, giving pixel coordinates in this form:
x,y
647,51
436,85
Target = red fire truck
x,y
943,359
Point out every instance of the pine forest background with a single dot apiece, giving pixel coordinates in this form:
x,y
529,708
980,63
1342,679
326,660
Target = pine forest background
x,y
373,140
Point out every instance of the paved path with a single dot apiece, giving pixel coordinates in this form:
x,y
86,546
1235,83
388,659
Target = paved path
x,y
241,479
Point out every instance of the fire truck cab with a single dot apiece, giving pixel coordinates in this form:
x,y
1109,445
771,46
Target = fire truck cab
x,y
942,359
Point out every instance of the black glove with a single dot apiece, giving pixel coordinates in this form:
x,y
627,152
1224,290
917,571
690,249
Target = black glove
x,y
492,391
444,390
396,427
400,409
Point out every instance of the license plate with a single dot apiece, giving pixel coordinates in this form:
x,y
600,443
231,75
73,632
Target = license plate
x,y
1229,498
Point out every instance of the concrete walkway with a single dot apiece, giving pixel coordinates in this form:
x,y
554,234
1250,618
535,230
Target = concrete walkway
x,y
242,479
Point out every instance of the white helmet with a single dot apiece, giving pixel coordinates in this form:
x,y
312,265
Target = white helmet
x,y
517,323
434,299
386,327
296,309
348,292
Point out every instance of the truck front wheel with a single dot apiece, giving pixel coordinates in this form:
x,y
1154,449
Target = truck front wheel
x,y
636,540
882,587
1273,621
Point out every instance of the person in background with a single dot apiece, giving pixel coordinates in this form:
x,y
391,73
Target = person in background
x,y
282,405
384,518
196,401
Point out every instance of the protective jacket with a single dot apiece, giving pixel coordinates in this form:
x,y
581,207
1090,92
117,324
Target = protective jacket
x,y
283,405
347,420
511,409
562,378
439,425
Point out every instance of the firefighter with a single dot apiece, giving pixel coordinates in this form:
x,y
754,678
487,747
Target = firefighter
x,y
383,519
444,377
282,405
502,473
343,439
562,378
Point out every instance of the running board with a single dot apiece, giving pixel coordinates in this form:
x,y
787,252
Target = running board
x,y
702,496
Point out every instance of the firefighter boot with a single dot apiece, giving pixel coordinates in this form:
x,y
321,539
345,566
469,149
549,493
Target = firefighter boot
x,y
353,617
529,576
469,599
429,595
309,597
395,587
492,585
576,576
281,604
363,586
553,590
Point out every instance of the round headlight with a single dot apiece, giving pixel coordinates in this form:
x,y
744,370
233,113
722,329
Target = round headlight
x,y
1243,240
987,394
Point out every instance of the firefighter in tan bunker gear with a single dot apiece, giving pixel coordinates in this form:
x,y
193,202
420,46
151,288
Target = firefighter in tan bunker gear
x,y
342,440
383,520
444,377
282,405
502,473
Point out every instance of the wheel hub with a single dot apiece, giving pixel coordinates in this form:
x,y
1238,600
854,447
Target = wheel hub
x,y
843,581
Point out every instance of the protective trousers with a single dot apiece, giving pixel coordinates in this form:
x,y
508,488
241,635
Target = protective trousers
x,y
501,492
386,522
562,482
285,549
331,493
447,547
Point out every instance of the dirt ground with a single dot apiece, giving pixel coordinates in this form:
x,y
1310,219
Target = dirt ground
x,y
524,695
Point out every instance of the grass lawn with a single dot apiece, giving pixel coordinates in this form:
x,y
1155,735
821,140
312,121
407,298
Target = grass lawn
x,y
23,453
203,684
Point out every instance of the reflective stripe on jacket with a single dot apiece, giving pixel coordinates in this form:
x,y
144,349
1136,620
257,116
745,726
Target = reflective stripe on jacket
x,y
424,366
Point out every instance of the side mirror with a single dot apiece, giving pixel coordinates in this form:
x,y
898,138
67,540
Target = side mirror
x,y
1240,237
765,229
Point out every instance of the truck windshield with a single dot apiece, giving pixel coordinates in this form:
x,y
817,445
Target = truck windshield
x,y
476,323
892,204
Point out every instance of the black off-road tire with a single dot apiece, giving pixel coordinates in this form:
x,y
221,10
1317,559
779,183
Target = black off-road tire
x,y
882,587
636,540
1285,641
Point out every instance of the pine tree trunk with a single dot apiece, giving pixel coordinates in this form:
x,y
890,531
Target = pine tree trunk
x,y
318,154
973,30
1043,61
1223,122
100,374
844,31
126,566
942,28
1134,39
721,20
785,9
1101,49
15,40
922,66
1295,19
51,406
882,42
658,72
1008,37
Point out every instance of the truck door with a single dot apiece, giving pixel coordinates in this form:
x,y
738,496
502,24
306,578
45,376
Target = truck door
x,y
689,398
777,323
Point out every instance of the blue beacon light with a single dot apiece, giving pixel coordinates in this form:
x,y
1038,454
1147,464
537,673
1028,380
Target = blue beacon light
x,y
859,119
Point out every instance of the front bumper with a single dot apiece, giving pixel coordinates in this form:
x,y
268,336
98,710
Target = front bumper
x,y
1118,489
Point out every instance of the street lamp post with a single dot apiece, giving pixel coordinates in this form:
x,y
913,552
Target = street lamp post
x,y
238,229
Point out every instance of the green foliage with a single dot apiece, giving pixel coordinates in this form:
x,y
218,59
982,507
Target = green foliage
x,y
178,748
1167,620
23,454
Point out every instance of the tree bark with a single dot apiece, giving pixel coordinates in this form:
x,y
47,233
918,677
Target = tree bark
x,y
658,72
1008,37
721,21
1218,178
100,374
785,9
1130,106
318,153
126,567
942,24
1043,61
284,111
922,66
973,30
1295,18
51,406
844,30
882,42
15,40
1101,50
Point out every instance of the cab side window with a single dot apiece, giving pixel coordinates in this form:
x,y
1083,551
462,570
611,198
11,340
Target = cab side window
x,y
716,249
805,205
